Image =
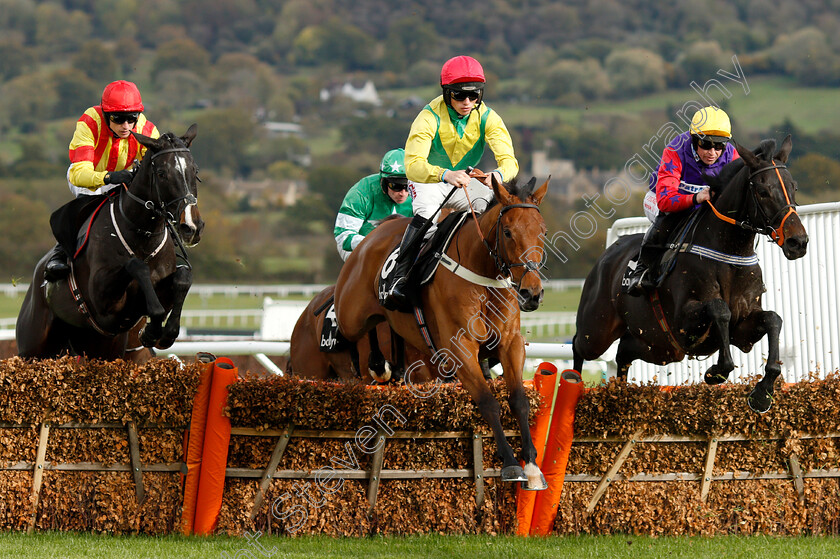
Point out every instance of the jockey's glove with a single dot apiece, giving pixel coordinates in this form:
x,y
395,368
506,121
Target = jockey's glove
x,y
119,177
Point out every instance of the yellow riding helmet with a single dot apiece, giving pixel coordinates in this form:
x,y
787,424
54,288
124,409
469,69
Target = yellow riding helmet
x,y
711,122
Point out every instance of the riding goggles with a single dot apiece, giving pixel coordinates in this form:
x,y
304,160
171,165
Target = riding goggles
x,y
462,95
705,143
396,185
122,118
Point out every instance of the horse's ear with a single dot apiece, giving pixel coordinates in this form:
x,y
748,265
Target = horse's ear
x,y
189,136
784,151
153,144
500,192
537,196
749,157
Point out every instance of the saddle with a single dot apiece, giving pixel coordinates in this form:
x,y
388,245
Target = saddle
x,y
675,244
71,222
429,258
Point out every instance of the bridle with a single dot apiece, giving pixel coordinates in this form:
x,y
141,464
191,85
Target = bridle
x,y
776,234
160,208
498,252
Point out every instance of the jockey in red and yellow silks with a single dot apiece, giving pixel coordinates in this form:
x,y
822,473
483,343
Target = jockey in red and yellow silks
x,y
95,150
102,154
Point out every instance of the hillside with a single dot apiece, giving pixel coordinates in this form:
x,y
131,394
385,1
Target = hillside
x,y
588,82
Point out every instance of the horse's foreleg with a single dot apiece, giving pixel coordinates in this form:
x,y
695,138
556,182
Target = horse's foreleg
x,y
513,361
378,367
398,356
181,283
140,272
717,312
747,333
576,355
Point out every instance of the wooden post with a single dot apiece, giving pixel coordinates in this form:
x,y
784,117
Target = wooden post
x,y
38,475
608,477
711,451
276,456
478,468
796,473
136,467
376,469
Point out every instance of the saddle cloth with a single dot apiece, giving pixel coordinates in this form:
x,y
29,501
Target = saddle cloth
x,y
429,257
331,339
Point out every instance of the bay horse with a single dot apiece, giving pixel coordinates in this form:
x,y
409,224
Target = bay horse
x,y
128,268
468,321
307,360
712,297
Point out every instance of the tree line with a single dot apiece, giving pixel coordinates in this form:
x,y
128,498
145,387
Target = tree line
x,y
232,64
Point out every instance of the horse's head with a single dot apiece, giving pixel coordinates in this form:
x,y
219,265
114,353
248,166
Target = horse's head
x,y
519,235
174,179
773,193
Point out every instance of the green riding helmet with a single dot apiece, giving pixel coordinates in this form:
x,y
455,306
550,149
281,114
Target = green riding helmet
x,y
392,171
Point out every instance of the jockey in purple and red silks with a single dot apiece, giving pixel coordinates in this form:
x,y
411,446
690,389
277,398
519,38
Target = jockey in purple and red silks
x,y
678,185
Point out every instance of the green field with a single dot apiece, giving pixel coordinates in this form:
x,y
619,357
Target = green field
x,y
769,102
60,546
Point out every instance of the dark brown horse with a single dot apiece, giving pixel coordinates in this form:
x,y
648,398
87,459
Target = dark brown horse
x,y
306,359
467,321
129,268
712,297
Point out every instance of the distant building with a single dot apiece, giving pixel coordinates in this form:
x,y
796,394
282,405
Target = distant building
x,y
570,184
267,192
364,93
283,129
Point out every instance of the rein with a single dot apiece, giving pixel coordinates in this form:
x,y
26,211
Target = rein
x,y
777,235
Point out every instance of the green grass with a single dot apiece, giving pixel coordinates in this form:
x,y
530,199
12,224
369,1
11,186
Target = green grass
x,y
59,546
560,301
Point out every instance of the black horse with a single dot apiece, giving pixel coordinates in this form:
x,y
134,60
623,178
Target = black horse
x,y
128,268
712,297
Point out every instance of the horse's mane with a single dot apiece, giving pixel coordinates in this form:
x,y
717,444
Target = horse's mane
x,y
521,191
764,150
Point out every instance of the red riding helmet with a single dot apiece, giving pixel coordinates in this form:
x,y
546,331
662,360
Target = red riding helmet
x,y
121,97
461,69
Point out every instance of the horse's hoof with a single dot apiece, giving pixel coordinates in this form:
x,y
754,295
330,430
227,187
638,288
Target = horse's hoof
x,y
514,473
147,339
760,401
164,343
714,378
384,377
536,479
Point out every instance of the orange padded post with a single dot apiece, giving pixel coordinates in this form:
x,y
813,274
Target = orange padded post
x,y
544,382
211,484
557,449
195,446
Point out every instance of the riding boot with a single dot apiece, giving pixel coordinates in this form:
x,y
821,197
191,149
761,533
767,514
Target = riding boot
x,y
642,278
57,266
395,293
